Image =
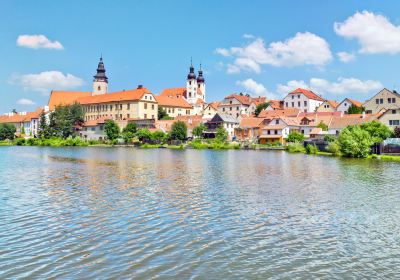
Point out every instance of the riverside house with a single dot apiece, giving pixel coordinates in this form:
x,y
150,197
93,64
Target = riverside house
x,y
174,102
210,110
303,99
228,122
327,106
346,104
391,118
26,123
249,129
234,105
382,101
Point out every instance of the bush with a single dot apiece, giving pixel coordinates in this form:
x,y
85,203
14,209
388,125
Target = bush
x,y
112,129
130,127
19,141
7,131
312,149
377,130
178,131
397,132
159,136
221,134
355,142
295,137
323,126
329,138
144,135
333,148
295,148
198,145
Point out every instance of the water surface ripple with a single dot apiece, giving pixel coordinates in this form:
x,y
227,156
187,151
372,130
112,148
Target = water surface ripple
x,y
121,213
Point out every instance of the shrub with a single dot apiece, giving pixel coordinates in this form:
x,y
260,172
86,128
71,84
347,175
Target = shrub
x,y
377,130
7,131
333,148
130,127
311,149
397,132
323,126
144,135
178,131
159,136
112,129
329,138
355,142
19,141
295,148
221,134
198,145
198,130
295,137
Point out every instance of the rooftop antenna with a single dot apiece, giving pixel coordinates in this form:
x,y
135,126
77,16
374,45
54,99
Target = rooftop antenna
x,y
191,61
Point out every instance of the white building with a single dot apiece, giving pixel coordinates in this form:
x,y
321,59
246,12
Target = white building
x,y
196,90
235,105
304,100
346,104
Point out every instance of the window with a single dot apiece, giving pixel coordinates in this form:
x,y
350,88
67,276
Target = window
x,y
230,109
128,116
298,96
128,106
381,100
292,104
145,116
287,104
93,128
152,106
120,116
223,109
237,108
120,106
292,96
101,127
145,105
305,103
276,131
230,102
276,121
98,88
269,131
394,122
391,100
152,116
393,111
298,104
145,97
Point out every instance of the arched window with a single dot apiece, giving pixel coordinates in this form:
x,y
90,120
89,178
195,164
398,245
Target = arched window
x,y
98,88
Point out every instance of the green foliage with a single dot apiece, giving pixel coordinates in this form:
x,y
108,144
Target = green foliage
x,y
149,146
178,131
130,127
62,121
53,142
43,129
396,133
261,107
7,131
354,141
159,136
19,141
127,136
112,129
377,130
144,135
329,138
353,109
295,147
162,114
198,130
197,144
221,134
23,130
295,137
333,148
323,126
311,149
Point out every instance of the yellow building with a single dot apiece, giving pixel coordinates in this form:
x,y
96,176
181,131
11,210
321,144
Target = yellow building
x,y
174,102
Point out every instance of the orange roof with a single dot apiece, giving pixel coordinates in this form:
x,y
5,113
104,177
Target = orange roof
x,y
125,95
58,98
355,102
276,104
17,118
95,122
307,93
245,100
269,114
172,101
251,122
278,126
258,100
199,101
214,105
353,119
173,92
334,104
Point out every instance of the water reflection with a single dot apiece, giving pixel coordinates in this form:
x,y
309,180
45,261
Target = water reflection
x,y
127,213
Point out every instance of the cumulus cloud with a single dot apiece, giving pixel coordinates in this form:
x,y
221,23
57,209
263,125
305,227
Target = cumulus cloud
x,y
24,101
343,86
253,87
46,81
346,57
375,33
248,36
38,42
302,49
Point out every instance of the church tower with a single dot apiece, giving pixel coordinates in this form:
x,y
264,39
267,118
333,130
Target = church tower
x,y
201,85
191,86
100,82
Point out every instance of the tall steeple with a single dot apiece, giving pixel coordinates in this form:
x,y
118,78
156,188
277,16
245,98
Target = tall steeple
x,y
191,74
200,78
100,82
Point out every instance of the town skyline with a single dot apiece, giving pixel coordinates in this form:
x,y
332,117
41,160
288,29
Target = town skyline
x,y
329,55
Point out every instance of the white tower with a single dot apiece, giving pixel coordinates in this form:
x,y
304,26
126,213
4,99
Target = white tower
x,y
100,82
201,85
191,86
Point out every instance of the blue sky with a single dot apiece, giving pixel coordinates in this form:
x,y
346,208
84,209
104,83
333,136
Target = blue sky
x,y
258,47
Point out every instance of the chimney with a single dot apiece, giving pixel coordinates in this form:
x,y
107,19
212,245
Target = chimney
x,y
139,86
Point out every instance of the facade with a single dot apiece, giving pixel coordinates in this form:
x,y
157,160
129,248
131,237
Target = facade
x,y
339,123
93,130
249,129
346,103
391,118
328,106
277,130
254,103
174,104
26,123
234,105
304,100
196,90
382,101
210,110
228,122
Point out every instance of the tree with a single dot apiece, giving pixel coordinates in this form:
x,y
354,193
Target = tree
x,y
159,136
112,129
63,119
221,134
261,107
397,132
353,109
323,126
163,115
43,129
353,141
295,137
130,127
23,130
377,130
198,130
14,111
178,131
7,131
329,138
144,135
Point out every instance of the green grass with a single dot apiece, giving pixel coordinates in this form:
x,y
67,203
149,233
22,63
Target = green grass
x,y
150,146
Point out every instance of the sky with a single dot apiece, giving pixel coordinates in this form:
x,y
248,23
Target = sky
x,y
337,49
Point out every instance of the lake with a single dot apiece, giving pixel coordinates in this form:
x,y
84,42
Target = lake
x,y
123,213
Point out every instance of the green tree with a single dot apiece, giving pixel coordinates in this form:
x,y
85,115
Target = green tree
x,y
130,127
329,138
221,134
198,130
396,133
377,130
353,141
7,131
178,131
353,109
163,115
144,135
159,136
43,129
295,137
323,126
64,119
23,130
112,129
261,107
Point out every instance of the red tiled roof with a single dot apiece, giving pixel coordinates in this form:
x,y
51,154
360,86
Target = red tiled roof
x,y
276,104
251,122
58,98
353,119
17,118
214,105
126,95
334,104
173,92
289,112
355,102
307,93
258,100
173,101
245,100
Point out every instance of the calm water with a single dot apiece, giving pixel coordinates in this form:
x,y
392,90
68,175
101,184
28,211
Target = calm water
x,y
120,213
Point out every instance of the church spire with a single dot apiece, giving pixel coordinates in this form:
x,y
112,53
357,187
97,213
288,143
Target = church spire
x,y
101,72
191,74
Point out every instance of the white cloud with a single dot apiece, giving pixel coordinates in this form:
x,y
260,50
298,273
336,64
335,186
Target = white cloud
x,y
346,57
253,87
248,36
46,81
302,49
343,86
24,101
38,42
232,69
375,33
